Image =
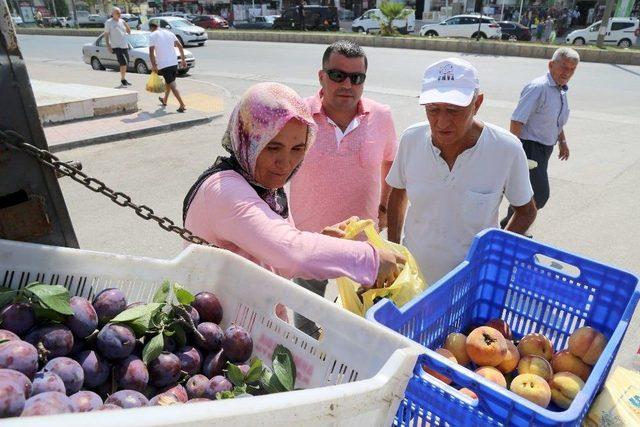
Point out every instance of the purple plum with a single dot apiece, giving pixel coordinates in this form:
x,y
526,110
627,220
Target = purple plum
x,y
84,320
57,340
116,341
20,356
47,381
85,401
214,364
69,371
96,369
164,370
108,304
208,306
217,384
18,317
190,359
132,374
213,336
237,344
128,399
12,398
19,378
49,403
196,386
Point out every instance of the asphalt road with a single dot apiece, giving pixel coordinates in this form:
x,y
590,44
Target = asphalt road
x,y
595,196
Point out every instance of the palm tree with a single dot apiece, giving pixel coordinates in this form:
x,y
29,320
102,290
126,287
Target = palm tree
x,y
391,12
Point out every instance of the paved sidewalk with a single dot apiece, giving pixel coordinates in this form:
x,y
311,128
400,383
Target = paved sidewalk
x,y
151,118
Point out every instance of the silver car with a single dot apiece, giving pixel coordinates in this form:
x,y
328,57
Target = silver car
x,y
98,56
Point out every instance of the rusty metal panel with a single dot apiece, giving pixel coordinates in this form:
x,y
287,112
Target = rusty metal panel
x,y
18,170
25,221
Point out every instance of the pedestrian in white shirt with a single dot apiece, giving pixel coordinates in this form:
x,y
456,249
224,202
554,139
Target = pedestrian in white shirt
x,y
454,169
162,53
115,36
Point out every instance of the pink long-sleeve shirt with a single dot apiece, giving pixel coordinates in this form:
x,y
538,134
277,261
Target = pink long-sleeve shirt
x,y
227,212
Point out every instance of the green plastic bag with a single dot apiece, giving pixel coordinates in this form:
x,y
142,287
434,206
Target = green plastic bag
x,y
155,84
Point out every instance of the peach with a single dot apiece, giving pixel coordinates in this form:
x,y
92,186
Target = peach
x,y
587,344
535,365
533,388
535,345
565,386
492,374
456,343
486,346
564,361
448,355
511,360
501,326
469,393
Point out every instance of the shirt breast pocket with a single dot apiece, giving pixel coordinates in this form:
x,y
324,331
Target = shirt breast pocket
x,y
479,210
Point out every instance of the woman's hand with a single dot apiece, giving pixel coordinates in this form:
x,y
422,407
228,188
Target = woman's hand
x,y
338,229
390,266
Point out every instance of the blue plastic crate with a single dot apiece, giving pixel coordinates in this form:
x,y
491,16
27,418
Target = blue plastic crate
x,y
535,288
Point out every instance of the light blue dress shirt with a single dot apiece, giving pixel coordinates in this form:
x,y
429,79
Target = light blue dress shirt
x,y
543,109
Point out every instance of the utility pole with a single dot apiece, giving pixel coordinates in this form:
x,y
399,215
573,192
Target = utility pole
x,y
76,25
605,22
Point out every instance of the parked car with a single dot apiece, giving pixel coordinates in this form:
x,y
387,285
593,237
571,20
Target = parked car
x,y
514,31
98,56
463,26
369,22
257,23
17,20
212,22
623,32
134,21
319,18
57,21
86,19
185,31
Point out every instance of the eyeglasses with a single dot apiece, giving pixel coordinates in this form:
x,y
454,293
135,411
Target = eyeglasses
x,y
339,76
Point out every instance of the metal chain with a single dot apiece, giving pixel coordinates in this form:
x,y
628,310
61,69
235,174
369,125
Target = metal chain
x,y
16,140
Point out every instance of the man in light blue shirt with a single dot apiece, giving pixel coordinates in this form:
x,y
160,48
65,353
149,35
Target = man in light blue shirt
x,y
539,120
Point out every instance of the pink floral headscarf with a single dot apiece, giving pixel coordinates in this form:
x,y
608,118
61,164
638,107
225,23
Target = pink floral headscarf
x,y
263,110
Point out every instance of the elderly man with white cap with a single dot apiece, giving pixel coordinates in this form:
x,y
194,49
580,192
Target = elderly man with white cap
x,y
454,170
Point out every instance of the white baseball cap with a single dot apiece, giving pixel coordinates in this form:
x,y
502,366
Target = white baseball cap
x,y
450,81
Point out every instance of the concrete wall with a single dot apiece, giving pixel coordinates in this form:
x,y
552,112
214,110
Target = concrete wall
x,y
497,48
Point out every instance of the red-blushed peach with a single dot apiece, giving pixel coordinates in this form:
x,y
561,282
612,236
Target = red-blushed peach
x,y
448,355
535,365
535,345
587,344
456,343
565,386
469,393
486,346
492,374
564,361
510,362
533,388
502,327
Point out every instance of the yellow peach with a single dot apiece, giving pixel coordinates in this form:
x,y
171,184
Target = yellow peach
x,y
565,386
587,344
533,388
564,361
456,343
535,365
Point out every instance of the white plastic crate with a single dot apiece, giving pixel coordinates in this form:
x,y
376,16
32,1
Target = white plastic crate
x,y
355,376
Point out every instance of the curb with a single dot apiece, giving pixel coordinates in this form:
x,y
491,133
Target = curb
x,y
495,48
64,146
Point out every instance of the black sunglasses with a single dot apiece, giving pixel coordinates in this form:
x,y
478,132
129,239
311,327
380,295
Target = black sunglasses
x,y
339,76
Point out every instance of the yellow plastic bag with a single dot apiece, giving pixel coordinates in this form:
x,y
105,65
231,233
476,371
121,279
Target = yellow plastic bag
x,y
408,284
155,84
619,402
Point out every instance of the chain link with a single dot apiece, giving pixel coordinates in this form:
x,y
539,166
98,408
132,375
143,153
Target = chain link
x,y
15,140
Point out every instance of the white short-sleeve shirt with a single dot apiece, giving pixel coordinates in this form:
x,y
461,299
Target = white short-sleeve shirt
x,y
449,207
164,43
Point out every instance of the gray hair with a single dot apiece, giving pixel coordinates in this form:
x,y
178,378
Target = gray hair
x,y
116,9
565,53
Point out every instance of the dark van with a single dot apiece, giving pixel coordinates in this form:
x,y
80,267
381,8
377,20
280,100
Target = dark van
x,y
316,18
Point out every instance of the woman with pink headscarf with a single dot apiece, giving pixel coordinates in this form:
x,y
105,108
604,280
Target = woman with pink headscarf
x,y
239,203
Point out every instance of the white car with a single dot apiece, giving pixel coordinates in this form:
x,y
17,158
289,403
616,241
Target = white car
x,y
98,56
369,22
623,32
464,26
17,20
185,31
